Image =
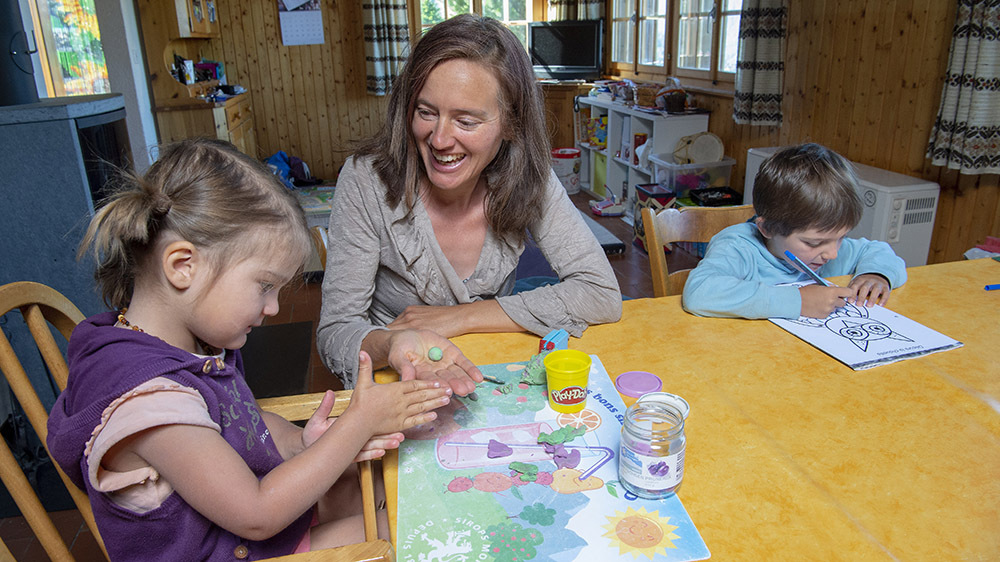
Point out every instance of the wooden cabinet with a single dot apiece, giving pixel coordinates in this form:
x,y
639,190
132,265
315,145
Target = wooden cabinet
x,y
559,109
183,28
239,126
231,121
196,18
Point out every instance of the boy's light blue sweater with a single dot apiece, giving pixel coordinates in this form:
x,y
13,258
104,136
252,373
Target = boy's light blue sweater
x,y
738,275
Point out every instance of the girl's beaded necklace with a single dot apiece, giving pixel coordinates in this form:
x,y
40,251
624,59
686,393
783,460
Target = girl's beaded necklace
x,y
124,321
209,350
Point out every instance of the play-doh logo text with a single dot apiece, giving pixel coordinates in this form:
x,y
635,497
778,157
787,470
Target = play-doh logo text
x,y
569,395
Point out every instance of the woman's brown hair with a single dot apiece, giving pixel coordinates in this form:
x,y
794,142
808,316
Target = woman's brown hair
x,y
517,175
206,192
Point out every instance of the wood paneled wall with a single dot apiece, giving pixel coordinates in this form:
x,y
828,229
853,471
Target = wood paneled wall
x,y
862,77
309,100
865,78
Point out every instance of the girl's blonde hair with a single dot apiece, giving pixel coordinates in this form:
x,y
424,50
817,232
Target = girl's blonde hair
x,y
206,192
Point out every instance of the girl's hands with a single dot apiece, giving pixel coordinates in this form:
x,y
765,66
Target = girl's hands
x,y
396,406
870,289
376,447
819,301
320,421
408,356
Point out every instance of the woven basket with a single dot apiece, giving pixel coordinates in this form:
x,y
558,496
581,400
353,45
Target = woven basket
x,y
645,94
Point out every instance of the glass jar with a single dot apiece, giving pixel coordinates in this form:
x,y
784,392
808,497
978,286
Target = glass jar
x,y
651,459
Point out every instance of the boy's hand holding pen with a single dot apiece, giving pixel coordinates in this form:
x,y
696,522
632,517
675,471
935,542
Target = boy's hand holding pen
x,y
820,300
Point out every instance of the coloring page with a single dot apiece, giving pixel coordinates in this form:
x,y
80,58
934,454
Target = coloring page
x,y
864,337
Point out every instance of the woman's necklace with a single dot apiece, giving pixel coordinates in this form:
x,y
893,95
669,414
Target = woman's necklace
x,y
209,350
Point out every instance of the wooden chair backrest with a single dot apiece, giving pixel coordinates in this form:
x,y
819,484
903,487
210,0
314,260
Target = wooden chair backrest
x,y
690,224
41,306
318,234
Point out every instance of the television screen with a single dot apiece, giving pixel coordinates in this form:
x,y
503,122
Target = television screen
x,y
566,50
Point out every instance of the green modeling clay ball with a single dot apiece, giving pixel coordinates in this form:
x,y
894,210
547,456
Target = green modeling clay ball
x,y
435,354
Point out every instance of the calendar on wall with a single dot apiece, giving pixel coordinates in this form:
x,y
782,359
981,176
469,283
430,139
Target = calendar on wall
x,y
301,22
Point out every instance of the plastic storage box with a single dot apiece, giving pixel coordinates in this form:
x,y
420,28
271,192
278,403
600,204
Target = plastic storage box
x,y
681,178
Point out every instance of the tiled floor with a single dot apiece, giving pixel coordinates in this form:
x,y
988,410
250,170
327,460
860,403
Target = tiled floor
x,y
20,540
301,303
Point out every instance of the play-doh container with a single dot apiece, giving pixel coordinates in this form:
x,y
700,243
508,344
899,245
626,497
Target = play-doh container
x,y
634,384
566,374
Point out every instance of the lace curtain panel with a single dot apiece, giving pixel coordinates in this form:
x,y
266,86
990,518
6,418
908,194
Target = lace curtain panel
x,y
966,133
760,66
387,38
560,10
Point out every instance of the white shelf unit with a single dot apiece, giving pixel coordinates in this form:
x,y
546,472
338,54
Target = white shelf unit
x,y
663,131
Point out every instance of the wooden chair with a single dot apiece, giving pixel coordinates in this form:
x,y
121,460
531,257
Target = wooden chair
x,y
318,234
689,224
40,306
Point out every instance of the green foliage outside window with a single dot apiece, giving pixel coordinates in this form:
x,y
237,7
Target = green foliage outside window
x,y
78,46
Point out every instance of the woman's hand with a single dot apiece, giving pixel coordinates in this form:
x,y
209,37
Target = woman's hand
x,y
408,351
444,320
457,319
870,289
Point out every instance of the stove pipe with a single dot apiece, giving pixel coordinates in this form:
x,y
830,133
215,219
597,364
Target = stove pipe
x,y
17,81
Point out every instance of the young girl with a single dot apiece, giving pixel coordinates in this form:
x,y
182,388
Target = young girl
x,y
157,423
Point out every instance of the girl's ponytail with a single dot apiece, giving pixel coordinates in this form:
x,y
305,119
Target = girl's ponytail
x,y
120,234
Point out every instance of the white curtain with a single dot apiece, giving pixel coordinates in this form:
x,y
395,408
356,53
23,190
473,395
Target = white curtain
x,y
966,133
560,10
387,38
760,65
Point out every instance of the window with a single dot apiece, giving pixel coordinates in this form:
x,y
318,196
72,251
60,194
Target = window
x,y
515,14
693,39
70,47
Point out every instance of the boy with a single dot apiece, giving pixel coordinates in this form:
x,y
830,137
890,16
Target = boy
x,y
806,202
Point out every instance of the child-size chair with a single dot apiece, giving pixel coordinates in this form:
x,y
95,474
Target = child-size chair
x,y
688,224
41,306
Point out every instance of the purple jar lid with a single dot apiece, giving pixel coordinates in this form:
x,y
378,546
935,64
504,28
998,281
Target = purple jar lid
x,y
637,383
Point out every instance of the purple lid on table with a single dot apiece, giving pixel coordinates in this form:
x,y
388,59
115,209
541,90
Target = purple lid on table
x,y
637,383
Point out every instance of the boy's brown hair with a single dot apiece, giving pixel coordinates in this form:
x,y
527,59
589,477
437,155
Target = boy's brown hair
x,y
806,186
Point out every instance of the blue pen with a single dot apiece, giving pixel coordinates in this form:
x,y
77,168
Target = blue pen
x,y
807,270
992,287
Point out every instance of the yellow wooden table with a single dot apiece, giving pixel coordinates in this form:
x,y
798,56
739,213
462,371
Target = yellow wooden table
x,y
792,455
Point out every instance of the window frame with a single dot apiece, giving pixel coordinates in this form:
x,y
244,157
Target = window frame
x,y
538,11
712,79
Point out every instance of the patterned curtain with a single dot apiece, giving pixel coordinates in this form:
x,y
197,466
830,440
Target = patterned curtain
x,y
966,133
387,37
760,67
561,10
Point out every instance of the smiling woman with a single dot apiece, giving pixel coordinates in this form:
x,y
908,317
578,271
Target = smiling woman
x,y
431,215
